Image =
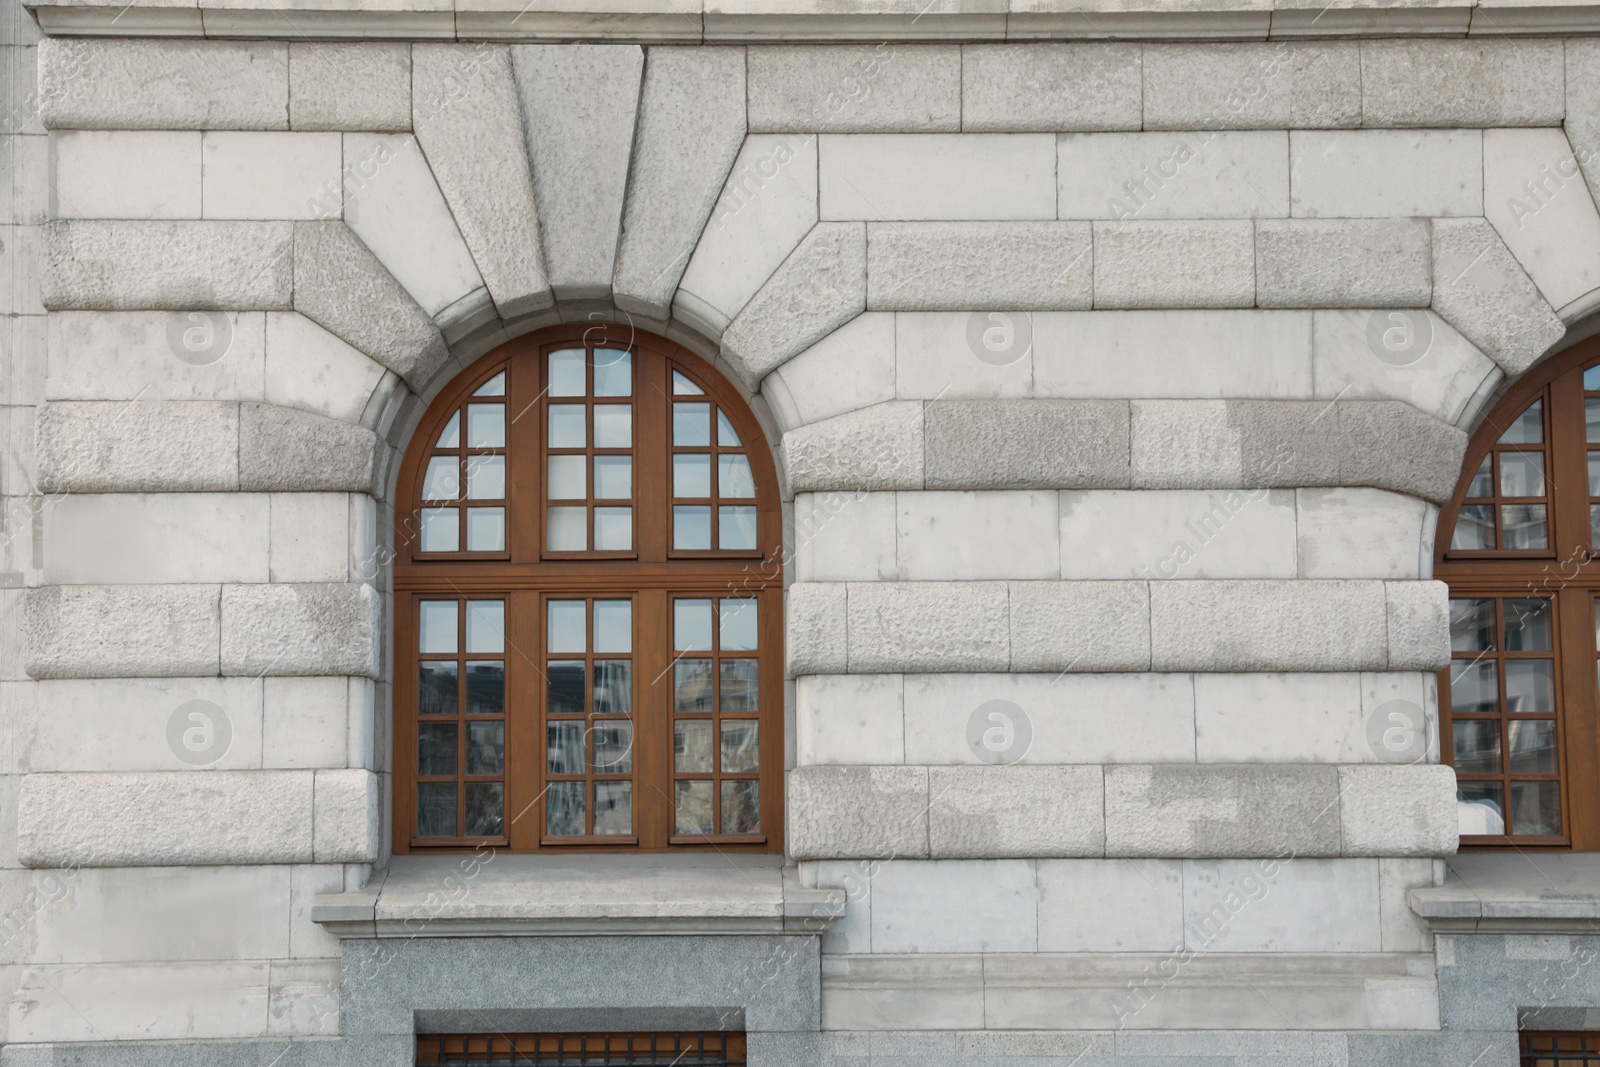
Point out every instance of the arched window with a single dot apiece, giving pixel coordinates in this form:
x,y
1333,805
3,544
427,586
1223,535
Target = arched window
x,y
587,606
1519,546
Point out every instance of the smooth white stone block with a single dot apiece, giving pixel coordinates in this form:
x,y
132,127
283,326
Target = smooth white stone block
x,y
973,536
1392,354
1189,175
1535,197
955,906
849,719
155,538
1358,533
1280,718
881,177
844,537
125,174
1177,533
309,368
121,724
853,367
1296,905
271,175
944,355
1386,173
1115,905
123,355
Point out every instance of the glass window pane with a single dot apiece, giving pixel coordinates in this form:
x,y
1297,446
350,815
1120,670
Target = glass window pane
x,y
436,809
741,808
567,479
740,694
1536,808
567,427
564,748
486,425
734,479
741,746
441,530
1522,474
564,688
563,808
1530,687
693,803
486,529
613,477
450,436
1523,525
1594,524
495,386
737,619
1527,624
613,808
726,437
691,425
1474,528
691,526
613,626
682,386
567,376
736,528
486,747
486,478
1477,745
486,626
436,748
1472,687
1482,483
613,529
1594,473
1528,428
568,529
691,626
691,746
1533,746
691,687
486,803
486,687
1591,379
613,426
1471,625
438,625
613,687
1480,808
613,372
613,746
443,479
436,688
566,625
1591,418
691,477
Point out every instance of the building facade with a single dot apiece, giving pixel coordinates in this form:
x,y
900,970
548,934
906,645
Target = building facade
x,y
798,532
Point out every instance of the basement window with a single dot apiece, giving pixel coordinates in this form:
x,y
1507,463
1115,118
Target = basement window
x,y
703,1049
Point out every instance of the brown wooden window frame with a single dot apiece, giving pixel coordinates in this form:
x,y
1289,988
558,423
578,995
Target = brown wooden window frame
x,y
1565,573
1559,1048
650,574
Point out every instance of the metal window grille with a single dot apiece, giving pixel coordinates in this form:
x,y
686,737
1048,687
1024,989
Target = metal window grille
x,y
1546,1049
709,1049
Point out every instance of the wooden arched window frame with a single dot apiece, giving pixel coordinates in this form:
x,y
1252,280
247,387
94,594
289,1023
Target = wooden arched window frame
x,y
588,613
1519,546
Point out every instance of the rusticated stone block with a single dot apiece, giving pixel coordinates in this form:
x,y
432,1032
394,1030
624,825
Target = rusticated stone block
x,y
163,85
1027,444
1015,812
1276,86
1274,625
928,626
874,448
129,447
980,266
1324,263
309,629
819,288
1050,87
1080,626
345,818
112,265
286,449
1220,811
817,628
1419,625
867,88
1481,81
858,813
1176,264
1481,290
1398,811
120,631
349,86
1582,126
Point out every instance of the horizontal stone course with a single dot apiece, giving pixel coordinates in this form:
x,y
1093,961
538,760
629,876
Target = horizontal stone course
x,y
349,86
1479,82
1036,444
109,265
1056,86
291,629
1281,85
854,88
1051,811
163,85
977,266
1481,290
1327,263
1174,264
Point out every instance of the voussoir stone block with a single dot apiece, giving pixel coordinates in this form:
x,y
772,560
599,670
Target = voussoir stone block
x,y
1271,625
1419,625
345,816
342,287
285,449
1015,812
163,85
1050,87
1325,263
113,265
858,812
156,819
1174,264
469,123
120,631
874,448
132,446
1027,444
815,637
1481,290
980,266
1221,811
1582,126
287,630
1080,626
819,288
1398,811
868,88
690,126
928,626
1481,81
362,85
1276,86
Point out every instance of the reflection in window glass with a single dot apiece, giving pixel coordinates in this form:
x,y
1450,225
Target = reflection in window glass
x,y
1523,526
736,528
441,530
1477,746
1473,688
567,428
691,746
691,625
1536,808
563,805
1527,428
693,803
1471,625
734,479
1522,474
486,529
438,625
436,809
613,372
567,373
741,807
1474,528
485,809
613,808
564,689
1533,746
741,748
486,626
1482,484
726,437
436,692
1527,624
486,687
1591,419
1480,808
1530,687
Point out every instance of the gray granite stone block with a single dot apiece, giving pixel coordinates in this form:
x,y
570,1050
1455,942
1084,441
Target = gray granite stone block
x,y
108,265
928,626
163,85
1015,812
1067,87
285,449
362,85
816,632
120,631
1027,444
1219,811
1326,263
848,88
1398,811
1268,625
875,448
1080,626
858,812
312,629
1481,290
131,446
1178,264
980,266
821,286
1274,86
1481,81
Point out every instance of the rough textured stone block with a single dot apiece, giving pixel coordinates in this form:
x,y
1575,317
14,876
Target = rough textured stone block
x,y
870,88
1015,812
345,817
1398,811
469,123
858,812
1343,263
364,86
816,631
980,266
120,631
1268,626
1583,107
112,265
1277,86
163,85
1184,264
879,447
1027,444
342,287
928,626
1006,87
281,448
1482,81
301,629
819,288
578,109
1218,811
130,447
1080,626
165,819
691,123
1419,626
1184,444
1481,290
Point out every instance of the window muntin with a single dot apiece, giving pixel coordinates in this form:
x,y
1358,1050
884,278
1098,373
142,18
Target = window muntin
x,y
1560,1049
460,752
1506,502
464,483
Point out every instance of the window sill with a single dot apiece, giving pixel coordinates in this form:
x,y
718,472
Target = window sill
x,y
1514,892
492,894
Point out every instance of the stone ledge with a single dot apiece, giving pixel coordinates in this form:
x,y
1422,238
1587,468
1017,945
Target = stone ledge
x,y
1513,893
